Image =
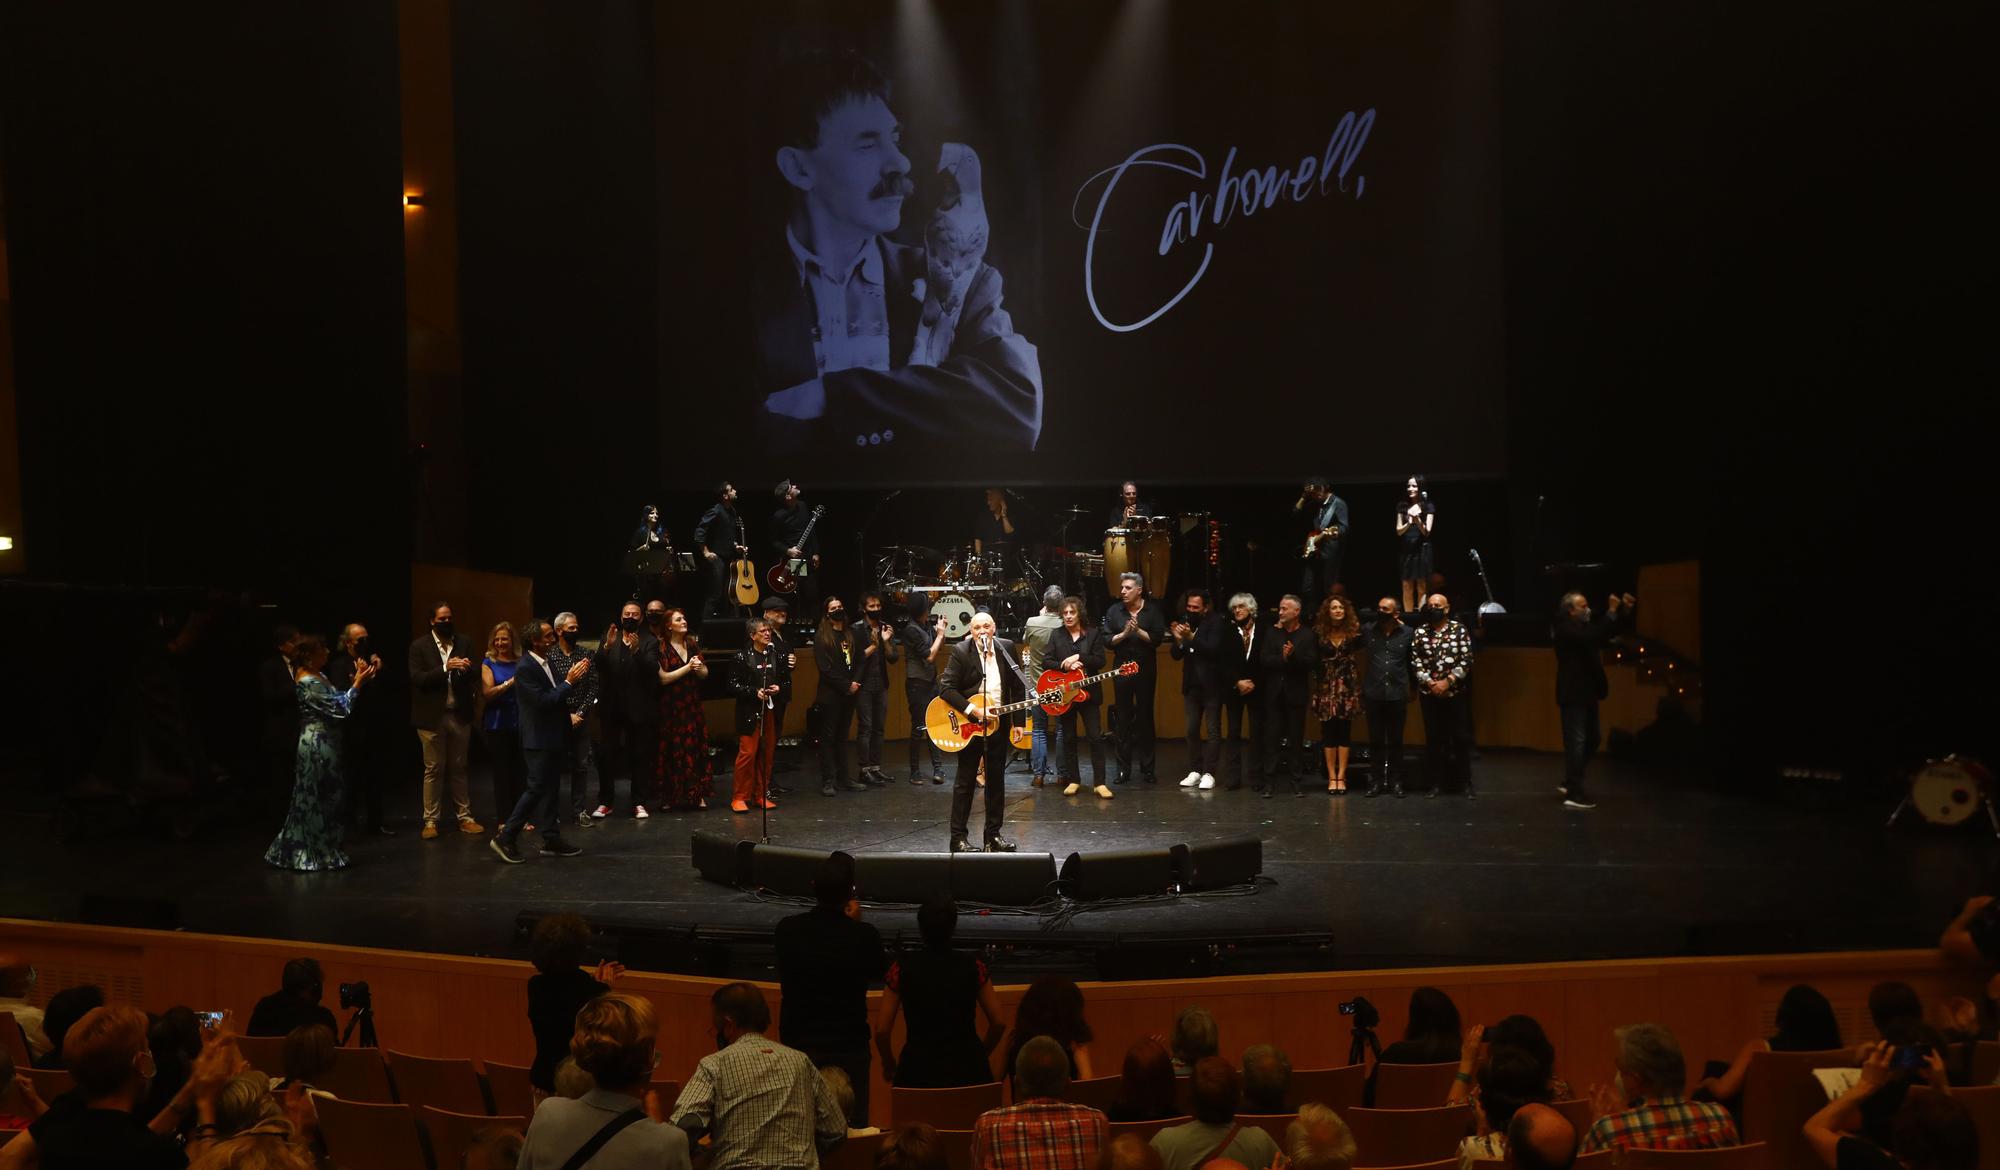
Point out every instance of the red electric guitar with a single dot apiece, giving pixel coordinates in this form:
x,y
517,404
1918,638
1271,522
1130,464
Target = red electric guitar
x,y
1059,689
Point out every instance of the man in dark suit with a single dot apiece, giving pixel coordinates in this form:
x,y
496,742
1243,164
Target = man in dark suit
x,y
364,738
1580,682
1290,650
982,665
629,693
1235,650
1385,694
543,700
862,343
278,695
441,676
1193,645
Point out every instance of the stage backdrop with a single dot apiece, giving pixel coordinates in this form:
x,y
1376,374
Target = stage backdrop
x,y
916,242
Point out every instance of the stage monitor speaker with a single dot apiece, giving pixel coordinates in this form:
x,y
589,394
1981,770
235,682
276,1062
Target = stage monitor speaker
x,y
1120,873
902,877
784,870
130,910
1212,865
722,859
1003,879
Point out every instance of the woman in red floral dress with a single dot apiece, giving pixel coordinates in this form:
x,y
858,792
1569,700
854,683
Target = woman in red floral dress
x,y
684,767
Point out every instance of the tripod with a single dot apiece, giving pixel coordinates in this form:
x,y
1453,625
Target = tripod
x,y
1364,1039
364,1016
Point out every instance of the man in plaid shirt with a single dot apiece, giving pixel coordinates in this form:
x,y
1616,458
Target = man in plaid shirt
x,y
1040,1131
762,1105
1647,1110
1441,661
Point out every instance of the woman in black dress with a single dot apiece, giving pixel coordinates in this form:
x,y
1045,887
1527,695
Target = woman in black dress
x,y
1415,518
938,988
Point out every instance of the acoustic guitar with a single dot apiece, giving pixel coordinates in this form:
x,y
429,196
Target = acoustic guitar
x,y
746,572
952,730
784,578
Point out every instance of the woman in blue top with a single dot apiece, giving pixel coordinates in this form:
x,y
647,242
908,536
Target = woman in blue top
x,y
500,727
310,838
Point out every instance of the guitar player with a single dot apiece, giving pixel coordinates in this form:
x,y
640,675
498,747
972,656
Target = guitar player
x,y
1079,645
794,538
982,666
719,535
1325,517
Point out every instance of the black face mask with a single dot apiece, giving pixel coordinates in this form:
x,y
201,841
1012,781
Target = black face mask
x,y
628,624
568,636
836,615
361,647
656,619
874,615
442,630
1437,613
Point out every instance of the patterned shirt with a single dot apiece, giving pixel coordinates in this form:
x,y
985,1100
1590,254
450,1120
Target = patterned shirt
x,y
765,1105
1040,1133
1663,1123
1445,653
583,691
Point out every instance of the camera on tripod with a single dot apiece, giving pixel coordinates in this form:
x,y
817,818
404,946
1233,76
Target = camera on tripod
x,y
1364,1013
1365,1019
356,998
355,995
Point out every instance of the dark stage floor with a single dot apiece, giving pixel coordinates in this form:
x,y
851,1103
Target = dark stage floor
x,y
1665,866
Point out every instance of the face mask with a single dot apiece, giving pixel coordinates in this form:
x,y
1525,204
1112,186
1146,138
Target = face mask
x,y
628,624
361,647
837,615
443,630
568,636
1435,613
656,619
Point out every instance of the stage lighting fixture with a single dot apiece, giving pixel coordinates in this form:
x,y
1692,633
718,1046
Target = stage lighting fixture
x,y
413,199
6,544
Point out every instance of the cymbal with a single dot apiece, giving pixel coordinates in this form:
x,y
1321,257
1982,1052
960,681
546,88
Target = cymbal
x,y
1074,511
918,552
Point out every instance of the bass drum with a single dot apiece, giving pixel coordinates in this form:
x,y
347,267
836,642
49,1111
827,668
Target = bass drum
x,y
956,609
1948,791
1131,550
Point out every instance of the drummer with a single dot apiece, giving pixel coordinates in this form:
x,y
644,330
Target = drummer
x,y
1130,507
994,526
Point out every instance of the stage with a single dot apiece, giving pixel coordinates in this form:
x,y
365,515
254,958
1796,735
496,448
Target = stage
x,y
1666,865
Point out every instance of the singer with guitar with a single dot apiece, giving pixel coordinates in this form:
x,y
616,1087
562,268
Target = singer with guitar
x,y
720,538
794,546
1079,647
1325,517
984,668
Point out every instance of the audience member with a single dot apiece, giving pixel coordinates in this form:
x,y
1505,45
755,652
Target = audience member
x,y
18,1104
1540,1138
1896,1012
613,1042
17,981
1195,1037
1654,1114
107,1056
1974,936
175,1040
307,1057
559,990
1040,1131
842,1088
1930,1131
1267,1079
1319,1140
296,1002
1805,1024
1516,1031
938,989
1129,1151
827,957
1146,1088
1053,1007
912,1147
65,1008
760,1103
493,1148
1509,1079
1432,1036
1215,1132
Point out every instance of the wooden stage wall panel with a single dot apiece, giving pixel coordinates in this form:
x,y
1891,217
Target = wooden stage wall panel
x,y
1513,703
442,1005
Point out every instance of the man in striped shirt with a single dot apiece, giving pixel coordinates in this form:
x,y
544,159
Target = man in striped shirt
x,y
763,1105
1648,1110
1040,1131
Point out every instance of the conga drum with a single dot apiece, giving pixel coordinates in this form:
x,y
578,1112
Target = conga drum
x,y
1144,548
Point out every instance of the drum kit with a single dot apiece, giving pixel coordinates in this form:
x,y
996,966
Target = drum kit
x,y
1008,579
1949,792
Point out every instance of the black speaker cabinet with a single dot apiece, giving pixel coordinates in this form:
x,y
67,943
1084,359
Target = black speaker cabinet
x,y
1215,864
721,859
783,870
1120,873
902,877
1003,879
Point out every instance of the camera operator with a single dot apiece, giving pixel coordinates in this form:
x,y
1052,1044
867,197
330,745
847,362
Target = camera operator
x,y
296,1002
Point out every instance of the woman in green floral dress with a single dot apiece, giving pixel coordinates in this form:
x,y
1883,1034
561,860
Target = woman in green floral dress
x,y
310,839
